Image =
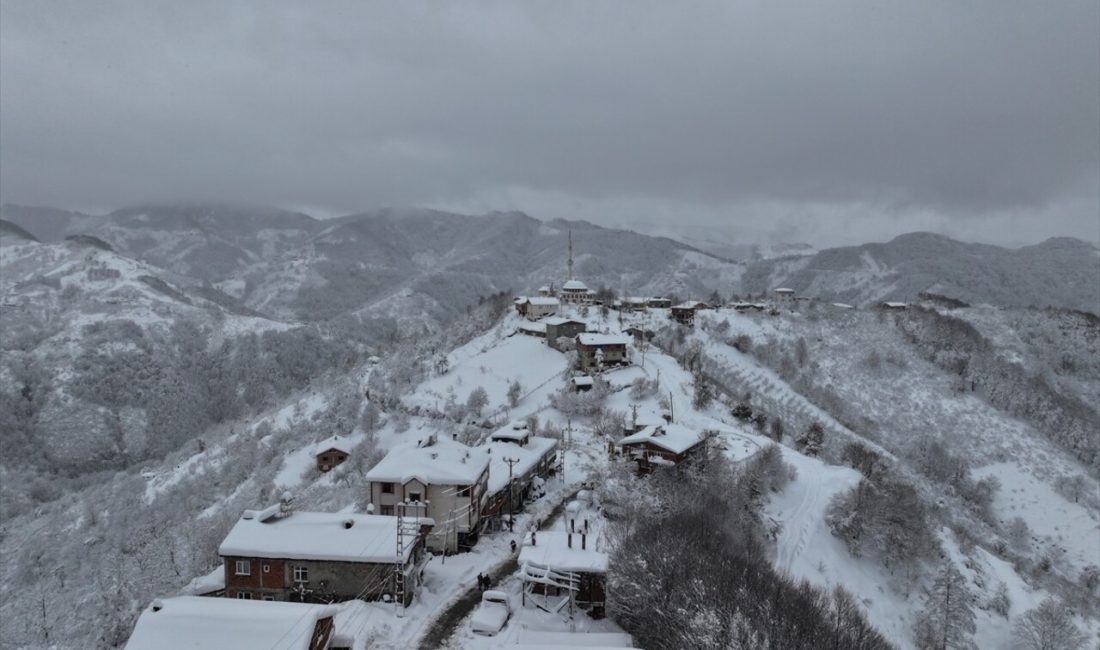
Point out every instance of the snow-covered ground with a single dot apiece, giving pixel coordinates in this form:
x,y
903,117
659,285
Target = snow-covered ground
x,y
1069,529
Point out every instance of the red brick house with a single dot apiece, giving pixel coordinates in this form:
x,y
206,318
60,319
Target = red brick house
x,y
276,554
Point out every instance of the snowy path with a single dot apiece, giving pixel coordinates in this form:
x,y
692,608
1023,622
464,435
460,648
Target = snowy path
x,y
807,515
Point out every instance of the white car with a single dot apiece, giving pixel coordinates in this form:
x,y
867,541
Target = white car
x,y
491,614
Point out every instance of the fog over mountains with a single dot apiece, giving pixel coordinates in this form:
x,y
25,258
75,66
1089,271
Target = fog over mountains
x,y
426,264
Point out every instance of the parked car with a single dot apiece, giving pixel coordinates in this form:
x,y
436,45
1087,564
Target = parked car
x,y
491,615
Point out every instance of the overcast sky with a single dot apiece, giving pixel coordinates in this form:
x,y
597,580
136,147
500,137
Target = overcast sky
x,y
831,122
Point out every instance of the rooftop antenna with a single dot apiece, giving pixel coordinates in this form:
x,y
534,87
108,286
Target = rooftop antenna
x,y
570,254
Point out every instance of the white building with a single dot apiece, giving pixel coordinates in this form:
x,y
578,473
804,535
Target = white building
x,y
450,478
537,307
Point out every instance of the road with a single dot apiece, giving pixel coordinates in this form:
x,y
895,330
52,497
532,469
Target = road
x,y
449,619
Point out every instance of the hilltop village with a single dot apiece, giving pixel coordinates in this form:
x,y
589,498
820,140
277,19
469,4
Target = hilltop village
x,y
516,502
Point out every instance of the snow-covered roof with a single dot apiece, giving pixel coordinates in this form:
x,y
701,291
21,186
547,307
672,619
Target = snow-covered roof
x,y
189,622
673,437
843,305
552,550
339,443
535,450
896,305
784,290
533,327
636,299
592,338
444,462
510,434
544,288
583,380
332,536
206,584
545,301
560,320
691,304
574,285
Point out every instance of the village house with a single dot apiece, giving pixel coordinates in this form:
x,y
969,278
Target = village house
x,y
660,303
565,568
582,384
661,445
188,622
558,327
784,296
331,452
514,470
599,351
634,303
749,306
284,555
546,291
537,330
450,478
684,313
536,307
894,306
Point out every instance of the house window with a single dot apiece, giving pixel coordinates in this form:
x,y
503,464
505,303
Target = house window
x,y
243,568
387,488
267,597
301,574
244,595
414,497
267,568
387,510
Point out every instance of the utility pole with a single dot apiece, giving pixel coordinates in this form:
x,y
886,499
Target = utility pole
x,y
511,490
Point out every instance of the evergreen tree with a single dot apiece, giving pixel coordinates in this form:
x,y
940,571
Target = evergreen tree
x,y
703,393
812,439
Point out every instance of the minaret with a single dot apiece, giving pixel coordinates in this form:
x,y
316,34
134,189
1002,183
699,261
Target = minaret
x,y
570,254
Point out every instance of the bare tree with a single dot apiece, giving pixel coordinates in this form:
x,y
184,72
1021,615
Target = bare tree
x,y
1049,626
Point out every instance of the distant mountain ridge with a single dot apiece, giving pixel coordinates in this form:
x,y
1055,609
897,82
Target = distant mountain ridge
x,y
418,265
1059,272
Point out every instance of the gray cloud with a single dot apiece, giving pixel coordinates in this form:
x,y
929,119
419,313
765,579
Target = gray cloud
x,y
839,120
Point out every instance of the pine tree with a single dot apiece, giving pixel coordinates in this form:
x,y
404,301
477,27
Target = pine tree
x,y
812,439
947,621
703,393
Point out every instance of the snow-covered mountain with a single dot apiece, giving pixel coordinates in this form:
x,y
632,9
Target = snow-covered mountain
x,y
420,264
1060,272
144,404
